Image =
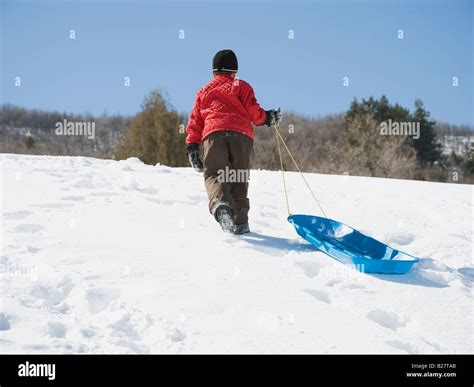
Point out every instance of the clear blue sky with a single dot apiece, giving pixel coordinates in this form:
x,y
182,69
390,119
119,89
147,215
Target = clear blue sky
x,y
358,39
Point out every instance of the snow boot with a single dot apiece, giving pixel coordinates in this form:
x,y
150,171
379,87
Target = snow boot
x,y
225,216
240,229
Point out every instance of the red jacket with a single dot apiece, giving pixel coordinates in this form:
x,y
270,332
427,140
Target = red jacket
x,y
224,103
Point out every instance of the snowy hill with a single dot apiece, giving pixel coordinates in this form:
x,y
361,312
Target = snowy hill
x,y
105,256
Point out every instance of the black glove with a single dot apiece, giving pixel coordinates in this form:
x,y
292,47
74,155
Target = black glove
x,y
194,158
273,117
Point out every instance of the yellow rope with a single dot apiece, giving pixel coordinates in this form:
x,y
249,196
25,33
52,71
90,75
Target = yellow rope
x,y
282,173
279,137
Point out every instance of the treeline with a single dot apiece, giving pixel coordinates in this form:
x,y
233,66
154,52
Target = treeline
x,y
34,132
351,143
347,143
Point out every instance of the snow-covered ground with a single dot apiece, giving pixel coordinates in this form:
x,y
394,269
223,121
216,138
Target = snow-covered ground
x,y
120,257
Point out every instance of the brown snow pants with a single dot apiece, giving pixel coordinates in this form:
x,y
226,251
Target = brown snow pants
x,y
227,160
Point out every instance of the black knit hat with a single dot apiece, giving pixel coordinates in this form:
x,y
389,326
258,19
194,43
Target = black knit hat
x,y
226,61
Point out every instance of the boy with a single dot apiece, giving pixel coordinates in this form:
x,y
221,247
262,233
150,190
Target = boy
x,y
222,121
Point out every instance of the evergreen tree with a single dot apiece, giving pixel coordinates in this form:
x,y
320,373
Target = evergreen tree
x,y
380,110
427,147
154,136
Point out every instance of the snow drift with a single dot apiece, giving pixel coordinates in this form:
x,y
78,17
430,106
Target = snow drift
x,y
120,257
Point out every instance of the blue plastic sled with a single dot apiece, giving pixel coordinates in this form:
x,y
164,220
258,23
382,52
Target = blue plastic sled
x,y
350,246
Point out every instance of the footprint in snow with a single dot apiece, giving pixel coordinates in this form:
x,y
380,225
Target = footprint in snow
x,y
57,330
99,299
54,292
333,282
177,335
404,346
28,228
4,323
87,333
124,325
320,295
16,215
310,269
436,346
400,238
467,272
32,249
387,319
129,326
